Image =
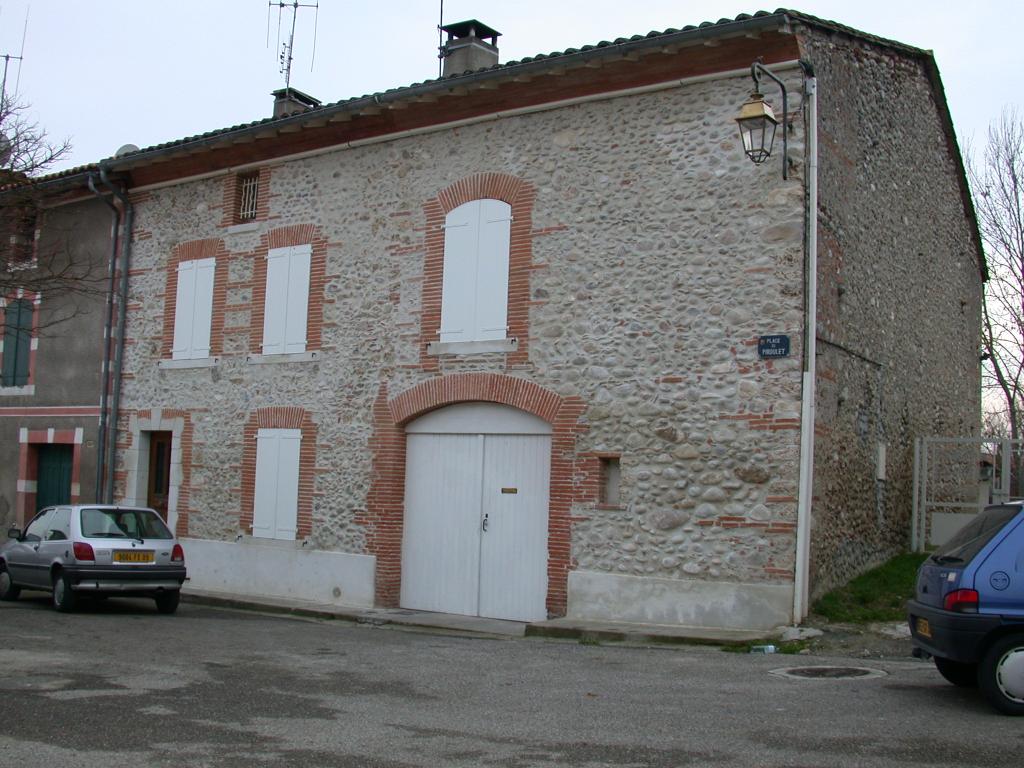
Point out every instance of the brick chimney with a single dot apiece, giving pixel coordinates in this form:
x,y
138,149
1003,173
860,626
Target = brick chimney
x,y
467,48
289,101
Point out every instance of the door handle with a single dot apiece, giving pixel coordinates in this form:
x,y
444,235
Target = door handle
x,y
484,522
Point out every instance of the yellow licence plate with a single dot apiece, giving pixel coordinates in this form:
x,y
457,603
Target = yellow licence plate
x,y
923,627
133,556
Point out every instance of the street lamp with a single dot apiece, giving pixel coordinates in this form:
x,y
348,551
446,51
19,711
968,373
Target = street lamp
x,y
757,121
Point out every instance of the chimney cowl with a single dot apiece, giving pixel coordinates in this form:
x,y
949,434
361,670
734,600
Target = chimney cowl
x,y
471,46
291,101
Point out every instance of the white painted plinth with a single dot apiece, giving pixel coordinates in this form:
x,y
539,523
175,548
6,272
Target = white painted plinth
x,y
611,597
250,567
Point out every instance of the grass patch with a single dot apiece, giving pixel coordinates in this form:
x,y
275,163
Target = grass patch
x,y
878,595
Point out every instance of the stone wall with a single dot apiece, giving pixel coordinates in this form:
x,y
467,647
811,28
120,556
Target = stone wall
x,y
899,299
659,255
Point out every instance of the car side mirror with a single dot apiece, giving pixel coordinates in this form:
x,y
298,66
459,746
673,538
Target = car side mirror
x,y
14,533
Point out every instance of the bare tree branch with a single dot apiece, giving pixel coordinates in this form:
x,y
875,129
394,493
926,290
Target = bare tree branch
x,y
36,256
997,181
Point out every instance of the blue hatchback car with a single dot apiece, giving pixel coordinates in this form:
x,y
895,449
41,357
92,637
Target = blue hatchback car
x,y
968,611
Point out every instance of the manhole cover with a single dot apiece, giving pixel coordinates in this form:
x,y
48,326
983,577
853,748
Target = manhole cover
x,y
828,673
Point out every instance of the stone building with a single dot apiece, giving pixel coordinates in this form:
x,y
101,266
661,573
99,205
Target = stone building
x,y
528,340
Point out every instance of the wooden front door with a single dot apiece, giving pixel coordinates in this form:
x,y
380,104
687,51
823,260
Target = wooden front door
x,y
159,472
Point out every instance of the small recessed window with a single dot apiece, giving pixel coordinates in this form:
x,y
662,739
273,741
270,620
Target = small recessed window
x,y
610,474
248,196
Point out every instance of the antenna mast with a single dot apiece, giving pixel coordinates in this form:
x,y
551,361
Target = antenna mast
x,y
440,42
8,58
288,47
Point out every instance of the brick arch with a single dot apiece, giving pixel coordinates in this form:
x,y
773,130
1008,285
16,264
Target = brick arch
x,y
499,186
385,507
280,418
520,195
484,387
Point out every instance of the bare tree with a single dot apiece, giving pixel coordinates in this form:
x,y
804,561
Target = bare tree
x,y
30,152
53,266
997,180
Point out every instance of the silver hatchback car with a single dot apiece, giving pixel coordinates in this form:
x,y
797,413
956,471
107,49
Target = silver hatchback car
x,y
97,550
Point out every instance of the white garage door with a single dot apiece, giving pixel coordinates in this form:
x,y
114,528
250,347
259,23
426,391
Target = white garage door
x,y
476,512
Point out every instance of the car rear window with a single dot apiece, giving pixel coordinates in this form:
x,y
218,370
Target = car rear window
x,y
123,524
972,538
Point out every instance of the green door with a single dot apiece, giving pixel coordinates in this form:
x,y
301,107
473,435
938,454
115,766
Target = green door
x,y
54,475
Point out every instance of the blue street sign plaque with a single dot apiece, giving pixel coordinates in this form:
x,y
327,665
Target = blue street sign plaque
x,y
769,347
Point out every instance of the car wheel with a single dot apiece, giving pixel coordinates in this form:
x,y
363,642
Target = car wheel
x,y
8,589
167,602
1001,675
64,599
958,672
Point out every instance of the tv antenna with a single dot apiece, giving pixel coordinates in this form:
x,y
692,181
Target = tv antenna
x,y
441,50
287,48
8,58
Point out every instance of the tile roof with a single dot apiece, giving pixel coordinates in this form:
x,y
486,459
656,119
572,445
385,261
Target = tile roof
x,y
712,29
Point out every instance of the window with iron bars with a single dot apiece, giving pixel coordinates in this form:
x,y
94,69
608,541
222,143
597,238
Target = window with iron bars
x,y
248,196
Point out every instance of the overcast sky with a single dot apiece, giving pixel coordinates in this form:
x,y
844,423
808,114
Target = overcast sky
x,y
111,72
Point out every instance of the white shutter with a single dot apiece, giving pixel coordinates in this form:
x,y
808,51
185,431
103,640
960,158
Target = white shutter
x,y
458,288
193,309
474,291
289,441
287,300
276,303
203,307
276,503
265,502
183,310
492,271
298,298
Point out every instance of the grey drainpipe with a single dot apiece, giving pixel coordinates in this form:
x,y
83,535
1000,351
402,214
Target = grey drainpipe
x,y
122,310
107,323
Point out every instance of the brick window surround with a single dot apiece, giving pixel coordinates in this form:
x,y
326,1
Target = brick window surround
x,y
280,418
28,466
233,198
385,505
187,251
282,237
520,195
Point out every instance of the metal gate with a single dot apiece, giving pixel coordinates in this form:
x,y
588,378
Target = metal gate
x,y
955,478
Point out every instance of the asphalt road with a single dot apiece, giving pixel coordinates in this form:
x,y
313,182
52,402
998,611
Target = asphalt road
x,y
117,685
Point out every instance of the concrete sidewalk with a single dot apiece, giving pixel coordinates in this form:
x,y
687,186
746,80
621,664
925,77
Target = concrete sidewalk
x,y
570,629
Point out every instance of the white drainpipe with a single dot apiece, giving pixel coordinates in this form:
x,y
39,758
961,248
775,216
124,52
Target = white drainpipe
x,y
808,410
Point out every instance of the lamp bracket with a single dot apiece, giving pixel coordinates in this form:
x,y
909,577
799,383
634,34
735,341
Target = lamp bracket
x,y
757,71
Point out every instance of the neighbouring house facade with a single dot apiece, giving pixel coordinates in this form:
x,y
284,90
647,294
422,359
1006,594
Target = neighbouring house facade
x,y
489,344
57,245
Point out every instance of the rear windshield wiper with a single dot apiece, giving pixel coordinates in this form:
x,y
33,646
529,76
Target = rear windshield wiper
x,y
947,559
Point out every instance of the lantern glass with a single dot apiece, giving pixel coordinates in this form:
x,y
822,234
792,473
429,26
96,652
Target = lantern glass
x,y
757,128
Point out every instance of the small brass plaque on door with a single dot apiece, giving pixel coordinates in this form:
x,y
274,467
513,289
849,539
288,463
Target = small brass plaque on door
x,y
510,490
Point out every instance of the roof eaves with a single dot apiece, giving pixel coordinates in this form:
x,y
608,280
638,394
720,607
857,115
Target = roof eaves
x,y
705,32
690,35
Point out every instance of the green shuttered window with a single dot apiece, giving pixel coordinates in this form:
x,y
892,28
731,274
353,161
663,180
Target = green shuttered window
x,y
17,343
